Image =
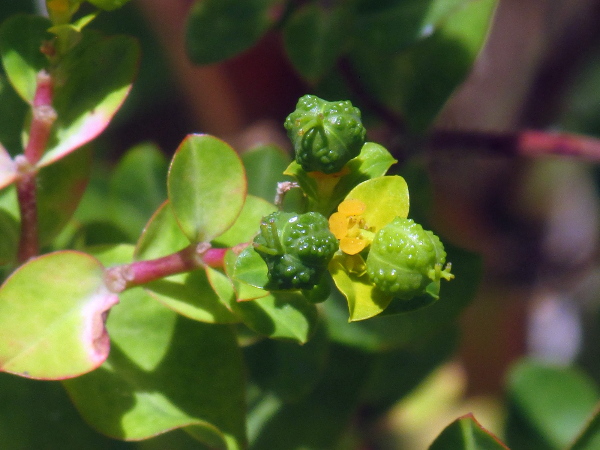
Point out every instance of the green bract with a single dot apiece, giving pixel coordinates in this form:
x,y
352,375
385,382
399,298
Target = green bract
x,y
296,248
405,259
326,135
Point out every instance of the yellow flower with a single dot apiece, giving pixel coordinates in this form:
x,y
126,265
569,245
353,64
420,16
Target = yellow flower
x,y
350,228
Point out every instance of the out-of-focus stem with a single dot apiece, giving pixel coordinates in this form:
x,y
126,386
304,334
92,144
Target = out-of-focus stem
x,y
43,117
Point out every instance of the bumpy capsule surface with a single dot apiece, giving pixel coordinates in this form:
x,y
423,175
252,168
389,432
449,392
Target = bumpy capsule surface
x,y
296,248
325,135
404,259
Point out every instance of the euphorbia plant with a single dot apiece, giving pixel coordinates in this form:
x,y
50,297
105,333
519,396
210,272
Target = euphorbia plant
x,y
198,324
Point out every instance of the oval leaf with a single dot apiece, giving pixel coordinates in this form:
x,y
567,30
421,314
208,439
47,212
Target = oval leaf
x,y
91,83
207,187
52,312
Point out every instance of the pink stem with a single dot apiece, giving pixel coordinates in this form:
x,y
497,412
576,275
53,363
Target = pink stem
x,y
138,273
39,132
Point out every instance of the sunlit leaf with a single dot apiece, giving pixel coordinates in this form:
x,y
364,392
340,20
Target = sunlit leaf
x,y
193,379
9,230
261,182
91,83
207,187
52,312
589,438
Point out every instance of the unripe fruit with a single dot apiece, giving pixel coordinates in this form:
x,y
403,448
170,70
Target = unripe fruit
x,y
325,135
404,259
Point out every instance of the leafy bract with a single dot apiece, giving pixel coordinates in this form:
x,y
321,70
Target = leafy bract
x,y
207,187
52,312
220,29
364,300
385,198
189,294
467,434
326,192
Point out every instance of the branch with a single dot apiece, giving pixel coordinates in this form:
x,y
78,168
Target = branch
x,y
43,116
193,257
526,143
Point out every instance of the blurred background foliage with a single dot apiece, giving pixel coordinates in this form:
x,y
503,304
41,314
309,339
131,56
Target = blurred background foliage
x,y
533,221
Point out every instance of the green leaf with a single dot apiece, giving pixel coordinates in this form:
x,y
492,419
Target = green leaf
x,y
41,415
91,83
466,433
10,232
21,37
52,312
283,314
108,5
12,110
314,38
287,369
264,168
192,378
318,420
138,187
385,198
589,438
60,189
556,401
207,187
189,294
220,29
247,224
392,25
251,269
418,80
364,301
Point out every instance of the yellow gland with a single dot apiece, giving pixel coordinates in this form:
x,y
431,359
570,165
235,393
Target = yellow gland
x,y
347,226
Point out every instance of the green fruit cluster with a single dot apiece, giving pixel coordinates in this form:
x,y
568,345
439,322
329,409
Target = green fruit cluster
x,y
325,135
296,248
405,259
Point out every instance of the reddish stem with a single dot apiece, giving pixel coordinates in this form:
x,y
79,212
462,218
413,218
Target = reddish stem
x,y
527,143
138,273
26,195
39,132
43,118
